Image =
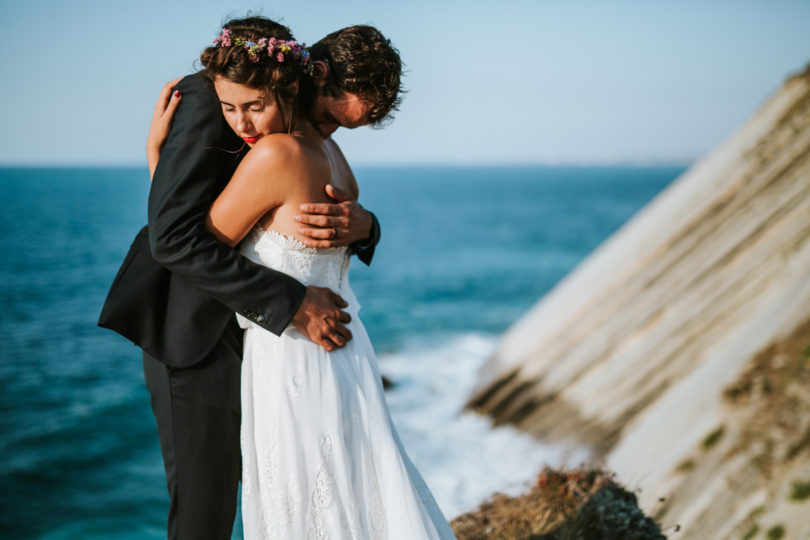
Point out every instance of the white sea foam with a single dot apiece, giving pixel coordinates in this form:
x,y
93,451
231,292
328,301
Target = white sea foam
x,y
461,456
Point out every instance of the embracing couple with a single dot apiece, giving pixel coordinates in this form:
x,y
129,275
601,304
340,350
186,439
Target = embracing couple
x,y
253,212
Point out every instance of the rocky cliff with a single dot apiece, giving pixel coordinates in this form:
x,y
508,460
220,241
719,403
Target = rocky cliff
x,y
679,351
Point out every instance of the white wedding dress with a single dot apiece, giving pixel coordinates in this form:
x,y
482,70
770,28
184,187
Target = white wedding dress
x,y
320,456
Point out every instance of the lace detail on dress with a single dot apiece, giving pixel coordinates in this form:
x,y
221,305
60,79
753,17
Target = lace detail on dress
x,y
292,502
377,516
324,267
269,490
323,495
294,384
247,468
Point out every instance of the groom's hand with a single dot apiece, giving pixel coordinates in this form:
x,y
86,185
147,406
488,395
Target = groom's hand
x,y
335,224
320,318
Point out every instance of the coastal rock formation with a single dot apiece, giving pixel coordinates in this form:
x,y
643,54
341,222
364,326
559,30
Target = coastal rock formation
x,y
679,351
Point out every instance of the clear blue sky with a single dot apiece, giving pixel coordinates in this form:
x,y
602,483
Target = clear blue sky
x,y
489,82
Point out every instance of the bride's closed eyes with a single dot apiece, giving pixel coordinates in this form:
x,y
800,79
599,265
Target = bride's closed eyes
x,y
255,106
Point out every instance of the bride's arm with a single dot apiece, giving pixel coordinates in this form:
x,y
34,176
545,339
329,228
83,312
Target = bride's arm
x,y
162,117
260,184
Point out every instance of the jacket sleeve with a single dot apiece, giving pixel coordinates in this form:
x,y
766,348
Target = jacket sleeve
x,y
196,163
364,249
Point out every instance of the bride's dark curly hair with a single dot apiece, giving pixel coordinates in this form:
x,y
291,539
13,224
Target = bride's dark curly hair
x,y
234,62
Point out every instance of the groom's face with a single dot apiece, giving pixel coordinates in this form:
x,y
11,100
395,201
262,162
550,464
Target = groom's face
x,y
344,110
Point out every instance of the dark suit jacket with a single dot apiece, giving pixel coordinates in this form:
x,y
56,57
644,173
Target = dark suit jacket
x,y
179,286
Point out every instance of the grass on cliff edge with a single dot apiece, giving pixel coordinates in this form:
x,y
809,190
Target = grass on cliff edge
x,y
561,505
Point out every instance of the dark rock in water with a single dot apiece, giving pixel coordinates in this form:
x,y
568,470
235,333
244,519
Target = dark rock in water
x,y
387,383
612,513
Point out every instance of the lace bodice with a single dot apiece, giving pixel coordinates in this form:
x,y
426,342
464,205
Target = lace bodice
x,y
322,267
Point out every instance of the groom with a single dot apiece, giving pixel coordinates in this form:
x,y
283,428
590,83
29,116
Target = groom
x,y
178,287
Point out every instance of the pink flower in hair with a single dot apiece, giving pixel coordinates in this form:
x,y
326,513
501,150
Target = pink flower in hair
x,y
280,57
225,37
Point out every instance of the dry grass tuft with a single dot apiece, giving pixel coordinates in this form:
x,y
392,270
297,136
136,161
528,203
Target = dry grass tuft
x,y
561,505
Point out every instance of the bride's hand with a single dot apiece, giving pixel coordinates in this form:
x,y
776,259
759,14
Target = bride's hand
x,y
161,123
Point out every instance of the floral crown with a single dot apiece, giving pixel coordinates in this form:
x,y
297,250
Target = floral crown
x,y
277,49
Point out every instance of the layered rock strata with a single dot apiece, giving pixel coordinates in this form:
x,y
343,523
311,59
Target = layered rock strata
x,y
638,352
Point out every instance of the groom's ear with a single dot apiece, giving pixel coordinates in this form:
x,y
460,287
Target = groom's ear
x,y
320,71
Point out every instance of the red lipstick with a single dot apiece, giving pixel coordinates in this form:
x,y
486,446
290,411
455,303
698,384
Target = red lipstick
x,y
251,140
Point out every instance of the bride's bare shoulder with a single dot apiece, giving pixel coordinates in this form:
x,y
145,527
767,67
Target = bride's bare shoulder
x,y
271,169
275,161
277,149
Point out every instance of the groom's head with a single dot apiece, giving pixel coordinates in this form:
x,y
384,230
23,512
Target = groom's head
x,y
357,79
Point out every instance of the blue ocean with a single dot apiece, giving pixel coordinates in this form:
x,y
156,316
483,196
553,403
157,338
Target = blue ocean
x,y
464,252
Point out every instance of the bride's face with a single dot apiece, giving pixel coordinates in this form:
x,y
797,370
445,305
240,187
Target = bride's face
x,y
250,114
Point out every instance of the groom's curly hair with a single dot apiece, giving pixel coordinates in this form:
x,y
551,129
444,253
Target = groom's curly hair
x,y
362,60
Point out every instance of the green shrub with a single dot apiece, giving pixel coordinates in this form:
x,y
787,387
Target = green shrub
x,y
800,491
777,532
713,438
751,532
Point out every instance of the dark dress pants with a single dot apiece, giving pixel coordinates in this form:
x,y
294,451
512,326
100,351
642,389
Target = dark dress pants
x,y
198,413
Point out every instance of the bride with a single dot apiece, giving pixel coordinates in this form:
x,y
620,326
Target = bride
x,y
320,455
